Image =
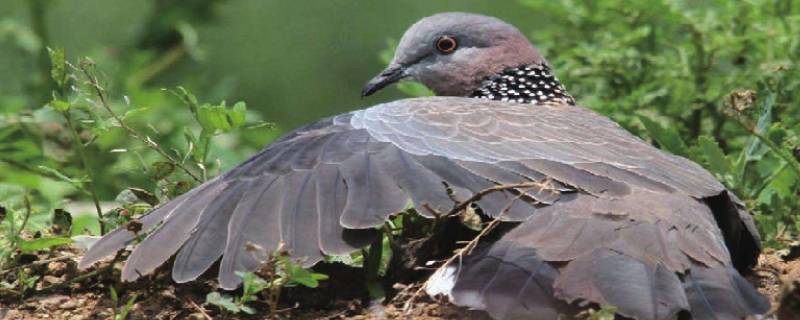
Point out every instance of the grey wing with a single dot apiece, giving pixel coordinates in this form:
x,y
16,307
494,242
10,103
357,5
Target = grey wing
x,y
651,255
570,144
323,188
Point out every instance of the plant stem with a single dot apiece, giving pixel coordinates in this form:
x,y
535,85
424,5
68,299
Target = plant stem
x,y
29,168
372,265
146,140
87,168
783,154
765,182
166,60
27,216
794,164
11,229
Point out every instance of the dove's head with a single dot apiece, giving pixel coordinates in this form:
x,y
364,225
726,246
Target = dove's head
x,y
453,53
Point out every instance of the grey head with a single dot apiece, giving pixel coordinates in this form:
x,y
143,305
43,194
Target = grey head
x,y
453,53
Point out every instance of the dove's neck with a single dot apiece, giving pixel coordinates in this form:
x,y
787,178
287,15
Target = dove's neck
x,y
532,83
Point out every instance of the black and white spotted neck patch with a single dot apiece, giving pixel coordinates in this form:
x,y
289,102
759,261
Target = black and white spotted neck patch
x,y
533,83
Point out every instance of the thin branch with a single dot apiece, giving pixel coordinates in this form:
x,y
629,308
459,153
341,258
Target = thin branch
x,y
169,58
73,280
37,263
201,310
462,205
467,249
64,284
29,168
87,168
100,92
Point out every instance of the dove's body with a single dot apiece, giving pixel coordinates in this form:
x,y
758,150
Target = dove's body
x,y
619,222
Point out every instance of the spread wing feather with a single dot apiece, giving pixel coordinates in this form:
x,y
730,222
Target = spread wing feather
x,y
623,252
258,204
171,235
207,242
324,188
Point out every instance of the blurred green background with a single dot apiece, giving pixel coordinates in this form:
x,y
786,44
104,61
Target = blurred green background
x,y
712,80
293,61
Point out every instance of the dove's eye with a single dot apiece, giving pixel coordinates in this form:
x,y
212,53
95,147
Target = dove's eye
x,y
446,44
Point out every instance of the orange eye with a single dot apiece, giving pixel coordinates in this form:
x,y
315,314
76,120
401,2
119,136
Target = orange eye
x,y
446,44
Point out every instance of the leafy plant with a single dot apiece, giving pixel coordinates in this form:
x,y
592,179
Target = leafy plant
x,y
604,313
716,82
278,272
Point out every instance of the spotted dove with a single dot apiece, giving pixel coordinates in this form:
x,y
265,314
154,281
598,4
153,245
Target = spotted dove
x,y
613,221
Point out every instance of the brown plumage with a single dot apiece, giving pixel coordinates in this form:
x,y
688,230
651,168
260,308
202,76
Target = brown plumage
x,y
625,224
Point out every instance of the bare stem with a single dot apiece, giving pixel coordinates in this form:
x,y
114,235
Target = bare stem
x,y
166,60
37,263
27,216
462,205
87,168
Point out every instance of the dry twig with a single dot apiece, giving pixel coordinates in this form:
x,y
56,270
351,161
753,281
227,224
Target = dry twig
x,y
467,249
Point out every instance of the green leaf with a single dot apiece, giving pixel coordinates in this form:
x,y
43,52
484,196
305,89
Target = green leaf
x,y
43,243
715,157
114,295
237,114
187,98
85,223
247,310
319,276
667,137
756,148
296,274
252,284
144,195
162,169
59,105
782,183
213,118
222,301
777,134
77,183
58,66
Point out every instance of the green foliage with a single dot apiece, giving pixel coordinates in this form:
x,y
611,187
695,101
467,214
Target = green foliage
x,y
294,275
606,312
58,69
225,302
26,281
42,243
714,81
667,137
85,145
280,272
101,142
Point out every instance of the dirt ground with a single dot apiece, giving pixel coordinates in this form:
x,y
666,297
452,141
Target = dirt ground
x,y
62,294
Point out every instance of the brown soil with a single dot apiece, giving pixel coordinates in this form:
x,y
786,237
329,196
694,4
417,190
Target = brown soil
x,y
58,296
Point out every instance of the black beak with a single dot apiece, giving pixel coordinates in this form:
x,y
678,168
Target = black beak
x,y
391,75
